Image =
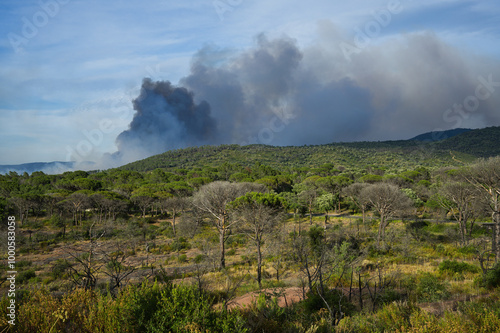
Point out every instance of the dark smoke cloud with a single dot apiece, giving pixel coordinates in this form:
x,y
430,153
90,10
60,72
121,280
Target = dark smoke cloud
x,y
277,93
166,118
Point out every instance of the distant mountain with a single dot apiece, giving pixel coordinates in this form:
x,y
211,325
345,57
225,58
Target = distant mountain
x,y
439,135
46,167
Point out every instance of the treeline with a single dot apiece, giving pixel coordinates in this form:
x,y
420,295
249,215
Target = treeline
x,y
466,194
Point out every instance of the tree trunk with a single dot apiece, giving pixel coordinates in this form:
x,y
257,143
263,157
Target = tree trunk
x,y
495,246
259,264
380,228
173,222
310,214
222,234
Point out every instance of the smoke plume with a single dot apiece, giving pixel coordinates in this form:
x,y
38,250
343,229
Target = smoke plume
x,y
280,94
166,118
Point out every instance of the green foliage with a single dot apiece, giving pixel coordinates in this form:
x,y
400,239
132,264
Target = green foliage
x,y
25,276
371,179
184,309
199,258
431,289
410,193
334,298
454,266
326,202
403,155
4,210
257,198
492,277
180,244
59,268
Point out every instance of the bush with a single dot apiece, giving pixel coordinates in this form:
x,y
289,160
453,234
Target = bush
x,y
469,249
180,244
394,317
454,266
389,296
182,258
23,263
199,258
430,289
25,276
492,277
184,309
59,269
335,299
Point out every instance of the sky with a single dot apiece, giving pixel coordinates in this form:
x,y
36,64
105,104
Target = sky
x,y
289,72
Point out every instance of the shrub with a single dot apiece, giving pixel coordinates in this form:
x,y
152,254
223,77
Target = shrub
x,y
389,296
184,309
59,269
469,249
430,289
199,258
180,244
394,317
454,266
25,276
335,299
492,277
182,258
23,263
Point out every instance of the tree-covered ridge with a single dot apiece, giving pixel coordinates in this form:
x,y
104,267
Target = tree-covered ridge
x,y
394,155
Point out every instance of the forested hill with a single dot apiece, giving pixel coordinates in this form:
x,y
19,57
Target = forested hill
x,y
454,151
440,135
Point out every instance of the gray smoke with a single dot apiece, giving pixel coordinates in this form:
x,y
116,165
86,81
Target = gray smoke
x,y
166,118
276,93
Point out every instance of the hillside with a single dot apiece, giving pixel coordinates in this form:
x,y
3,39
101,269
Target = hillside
x,y
479,143
440,135
399,155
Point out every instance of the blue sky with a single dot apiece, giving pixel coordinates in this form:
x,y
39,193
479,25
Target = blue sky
x,y
70,68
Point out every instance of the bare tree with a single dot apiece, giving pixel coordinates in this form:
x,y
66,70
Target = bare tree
x,y
176,205
213,199
309,251
277,251
76,203
387,200
116,269
485,175
353,192
307,192
144,202
259,214
87,261
23,205
460,199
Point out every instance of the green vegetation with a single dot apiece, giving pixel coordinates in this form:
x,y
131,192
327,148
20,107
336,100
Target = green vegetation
x,y
358,237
